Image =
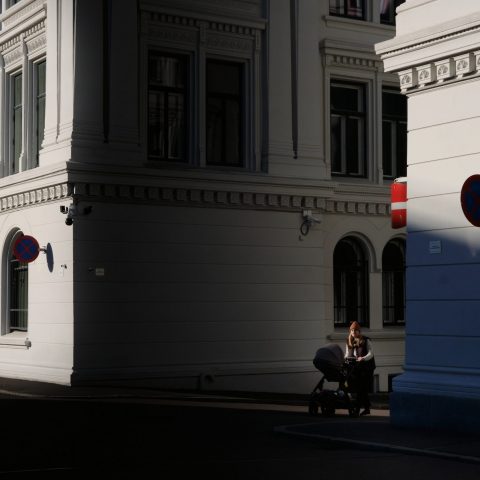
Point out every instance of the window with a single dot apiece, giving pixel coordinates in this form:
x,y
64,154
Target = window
x,y
347,124
17,280
348,8
394,134
17,123
350,283
39,119
167,97
393,281
387,11
224,113
25,129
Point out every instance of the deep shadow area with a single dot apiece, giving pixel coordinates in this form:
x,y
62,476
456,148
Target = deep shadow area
x,y
137,437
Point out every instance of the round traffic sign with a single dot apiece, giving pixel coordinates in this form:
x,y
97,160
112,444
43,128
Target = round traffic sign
x,y
470,199
26,249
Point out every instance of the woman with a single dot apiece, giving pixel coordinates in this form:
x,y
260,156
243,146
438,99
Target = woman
x,y
360,347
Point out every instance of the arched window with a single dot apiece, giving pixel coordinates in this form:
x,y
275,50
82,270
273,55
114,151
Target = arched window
x,y
350,283
17,291
393,280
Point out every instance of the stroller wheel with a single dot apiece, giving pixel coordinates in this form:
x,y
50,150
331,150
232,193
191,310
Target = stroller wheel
x,y
327,411
313,408
353,412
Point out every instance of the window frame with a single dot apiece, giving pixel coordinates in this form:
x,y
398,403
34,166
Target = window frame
x,y
341,274
390,287
14,164
345,116
200,41
241,97
36,145
344,5
186,60
6,329
396,170
391,13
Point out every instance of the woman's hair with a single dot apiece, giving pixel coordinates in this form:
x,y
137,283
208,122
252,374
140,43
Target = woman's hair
x,y
355,326
351,340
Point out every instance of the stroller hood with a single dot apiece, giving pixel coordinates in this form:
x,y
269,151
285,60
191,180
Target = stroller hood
x,y
329,360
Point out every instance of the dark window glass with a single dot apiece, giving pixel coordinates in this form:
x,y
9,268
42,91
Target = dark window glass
x,y
167,96
224,113
393,283
40,78
387,10
348,8
17,121
347,130
18,301
394,134
350,283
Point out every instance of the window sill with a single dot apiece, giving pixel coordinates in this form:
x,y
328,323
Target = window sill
x,y
387,335
358,25
15,340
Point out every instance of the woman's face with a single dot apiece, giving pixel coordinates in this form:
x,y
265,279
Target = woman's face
x,y
355,333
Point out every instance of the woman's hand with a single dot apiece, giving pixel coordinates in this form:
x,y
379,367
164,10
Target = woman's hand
x,y
359,359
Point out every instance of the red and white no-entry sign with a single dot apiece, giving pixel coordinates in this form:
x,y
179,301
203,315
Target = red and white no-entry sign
x,y
398,192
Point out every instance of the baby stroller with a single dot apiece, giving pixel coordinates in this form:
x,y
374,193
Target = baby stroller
x,y
335,368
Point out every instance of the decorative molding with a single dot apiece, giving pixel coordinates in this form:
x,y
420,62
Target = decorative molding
x,y
426,74
13,56
36,44
173,34
241,9
444,69
229,42
24,11
227,198
156,22
34,35
35,196
391,48
447,69
346,60
464,64
195,196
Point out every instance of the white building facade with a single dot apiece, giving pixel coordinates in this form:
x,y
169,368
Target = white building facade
x,y
226,169
436,54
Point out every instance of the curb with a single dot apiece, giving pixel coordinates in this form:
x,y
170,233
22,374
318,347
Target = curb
x,y
378,446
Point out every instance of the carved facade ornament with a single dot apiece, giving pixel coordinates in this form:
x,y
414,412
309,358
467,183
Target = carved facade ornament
x,y
37,43
426,74
464,64
407,79
227,42
35,39
185,30
447,69
352,61
173,34
22,13
28,198
13,56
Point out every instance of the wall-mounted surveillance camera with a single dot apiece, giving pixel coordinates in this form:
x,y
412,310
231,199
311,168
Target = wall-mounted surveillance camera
x,y
73,211
308,221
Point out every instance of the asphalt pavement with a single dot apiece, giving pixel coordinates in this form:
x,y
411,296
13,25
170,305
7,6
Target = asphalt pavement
x,y
372,433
